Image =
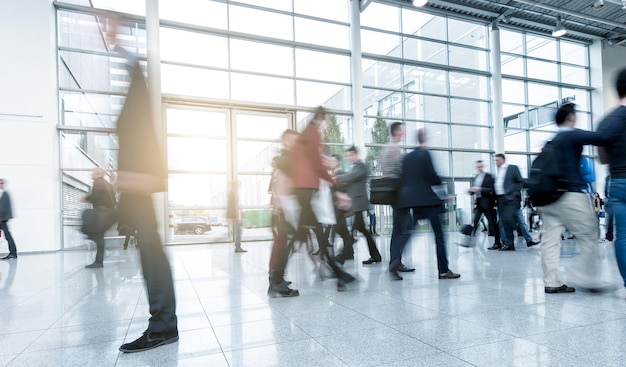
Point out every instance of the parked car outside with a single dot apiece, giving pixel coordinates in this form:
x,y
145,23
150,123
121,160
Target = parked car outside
x,y
195,225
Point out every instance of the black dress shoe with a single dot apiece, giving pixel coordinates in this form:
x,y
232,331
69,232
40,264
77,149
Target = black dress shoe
x,y
449,275
340,259
94,266
496,246
507,248
531,243
393,273
150,340
561,289
405,269
10,257
281,290
371,260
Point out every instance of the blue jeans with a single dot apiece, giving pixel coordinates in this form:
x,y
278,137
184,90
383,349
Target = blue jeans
x,y
618,207
519,220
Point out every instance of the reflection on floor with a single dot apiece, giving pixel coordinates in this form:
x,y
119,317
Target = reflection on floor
x,y
56,313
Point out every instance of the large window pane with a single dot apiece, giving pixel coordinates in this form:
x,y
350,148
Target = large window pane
x,y
467,33
469,112
83,150
90,110
521,161
198,12
196,154
196,190
389,104
541,116
513,91
311,94
423,25
578,96
380,16
261,57
193,48
322,33
255,156
425,80
194,122
438,135
511,41
322,66
325,9
540,47
538,139
258,126
247,20
383,74
541,94
573,53
194,82
515,116
380,43
468,85
428,108
254,88
515,141
464,165
542,70
441,161
512,65
467,58
466,137
253,192
427,51
284,5
91,72
574,75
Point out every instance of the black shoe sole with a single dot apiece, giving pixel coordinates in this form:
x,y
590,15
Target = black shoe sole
x,y
164,342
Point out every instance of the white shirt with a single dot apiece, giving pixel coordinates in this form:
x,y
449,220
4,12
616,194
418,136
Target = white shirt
x,y
499,185
478,181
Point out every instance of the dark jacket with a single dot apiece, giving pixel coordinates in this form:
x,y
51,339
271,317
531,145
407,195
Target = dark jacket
x,y
417,179
513,183
355,182
6,212
101,194
570,143
487,199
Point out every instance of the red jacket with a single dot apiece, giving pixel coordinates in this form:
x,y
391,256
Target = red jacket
x,y
308,168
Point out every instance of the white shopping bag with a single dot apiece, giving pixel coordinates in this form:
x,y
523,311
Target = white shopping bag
x,y
291,209
322,204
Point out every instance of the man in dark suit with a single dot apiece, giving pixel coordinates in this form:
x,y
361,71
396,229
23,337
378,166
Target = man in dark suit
x,y
101,198
355,182
418,183
6,213
507,186
485,201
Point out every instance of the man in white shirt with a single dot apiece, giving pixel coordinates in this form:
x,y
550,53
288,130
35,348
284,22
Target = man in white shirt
x,y
507,186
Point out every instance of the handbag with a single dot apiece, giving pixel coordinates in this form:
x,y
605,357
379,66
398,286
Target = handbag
x,y
322,205
97,220
384,190
343,201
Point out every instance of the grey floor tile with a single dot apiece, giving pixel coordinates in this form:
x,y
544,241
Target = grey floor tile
x,y
304,353
371,347
97,355
516,322
15,343
336,322
434,360
238,315
398,313
258,333
6,359
73,336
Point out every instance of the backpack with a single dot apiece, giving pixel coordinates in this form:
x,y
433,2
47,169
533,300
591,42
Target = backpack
x,y
547,180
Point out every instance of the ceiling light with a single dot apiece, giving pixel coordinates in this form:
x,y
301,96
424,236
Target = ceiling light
x,y
420,3
559,29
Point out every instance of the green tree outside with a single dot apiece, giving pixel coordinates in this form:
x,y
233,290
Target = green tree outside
x,y
332,135
380,135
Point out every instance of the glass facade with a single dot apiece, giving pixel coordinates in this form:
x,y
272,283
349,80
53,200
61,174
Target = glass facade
x,y
230,87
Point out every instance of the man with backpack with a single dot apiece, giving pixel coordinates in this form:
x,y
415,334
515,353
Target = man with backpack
x,y
572,208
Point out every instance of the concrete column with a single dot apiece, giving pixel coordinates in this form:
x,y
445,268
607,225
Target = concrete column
x,y
358,124
496,91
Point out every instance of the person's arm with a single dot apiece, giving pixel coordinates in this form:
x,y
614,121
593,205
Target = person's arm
x,y
603,155
358,172
430,172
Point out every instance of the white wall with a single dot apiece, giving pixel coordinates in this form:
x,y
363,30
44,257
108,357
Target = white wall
x,y
613,60
28,118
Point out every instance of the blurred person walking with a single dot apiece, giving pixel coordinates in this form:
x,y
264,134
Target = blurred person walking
x,y
507,187
308,170
613,127
141,172
355,182
6,214
233,216
418,200
283,229
573,210
484,201
102,198
391,166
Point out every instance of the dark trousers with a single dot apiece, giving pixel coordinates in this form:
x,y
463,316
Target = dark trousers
x,y
372,223
491,219
5,231
138,212
99,240
308,220
400,235
507,210
341,228
359,225
284,237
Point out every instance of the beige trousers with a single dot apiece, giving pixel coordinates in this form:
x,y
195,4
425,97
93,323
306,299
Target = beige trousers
x,y
573,211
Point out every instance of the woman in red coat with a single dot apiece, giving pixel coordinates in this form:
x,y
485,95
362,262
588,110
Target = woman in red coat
x,y
308,169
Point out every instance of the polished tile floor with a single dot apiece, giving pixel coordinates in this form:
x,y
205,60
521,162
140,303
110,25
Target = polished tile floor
x,y
53,312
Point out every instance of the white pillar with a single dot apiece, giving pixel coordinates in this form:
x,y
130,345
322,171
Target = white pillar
x,y
358,125
496,91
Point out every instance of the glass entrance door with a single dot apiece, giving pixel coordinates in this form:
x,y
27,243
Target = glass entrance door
x,y
210,152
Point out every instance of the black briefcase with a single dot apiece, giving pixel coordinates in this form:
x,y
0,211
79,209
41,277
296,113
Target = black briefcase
x,y
384,190
467,229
